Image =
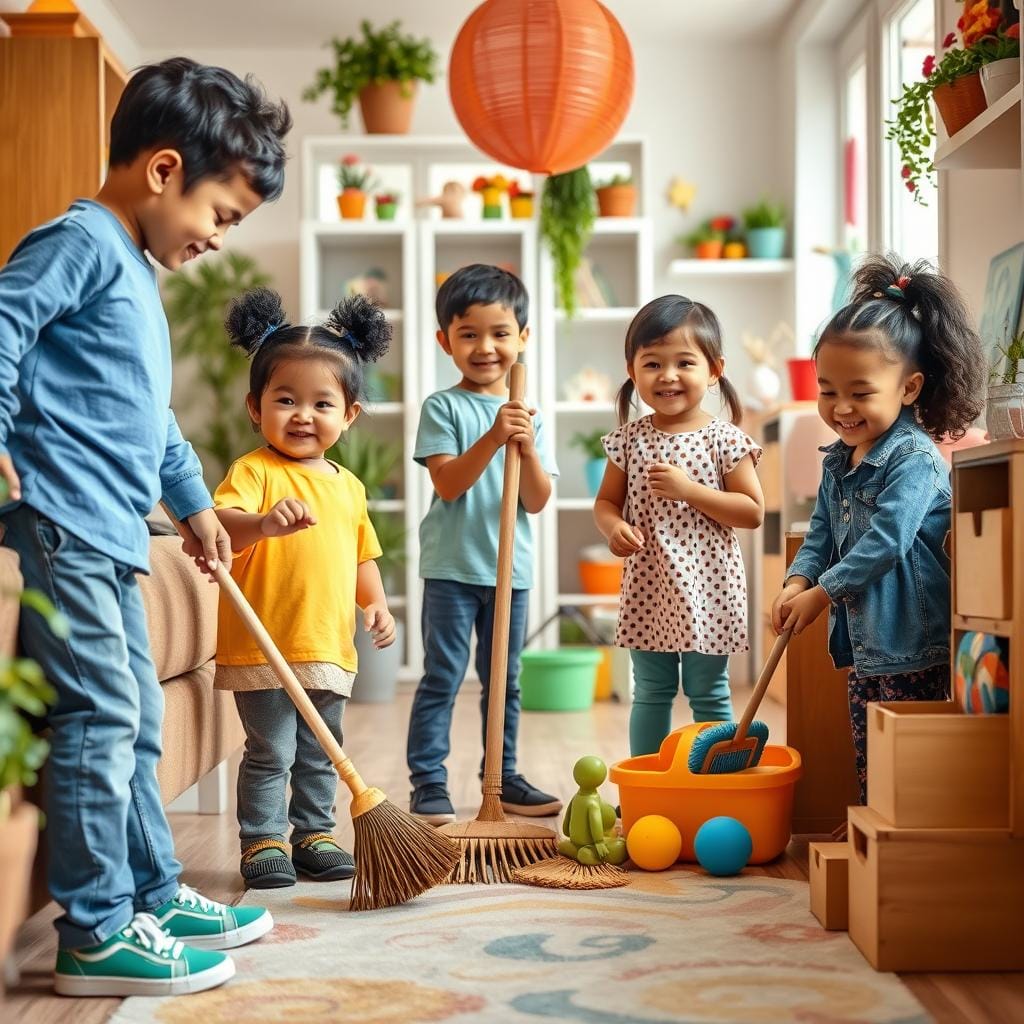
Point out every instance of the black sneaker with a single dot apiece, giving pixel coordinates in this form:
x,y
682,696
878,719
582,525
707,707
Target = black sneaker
x,y
519,797
265,865
432,804
319,857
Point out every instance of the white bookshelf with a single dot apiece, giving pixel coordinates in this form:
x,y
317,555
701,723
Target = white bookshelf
x,y
747,267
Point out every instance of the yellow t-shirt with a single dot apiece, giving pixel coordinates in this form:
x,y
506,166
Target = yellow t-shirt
x,y
303,586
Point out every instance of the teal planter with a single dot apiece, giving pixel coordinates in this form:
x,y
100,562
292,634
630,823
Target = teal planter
x,y
559,680
766,243
593,470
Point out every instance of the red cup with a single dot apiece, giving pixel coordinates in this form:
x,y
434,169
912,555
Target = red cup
x,y
803,379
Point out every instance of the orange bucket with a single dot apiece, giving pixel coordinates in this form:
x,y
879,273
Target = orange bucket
x,y
761,797
601,577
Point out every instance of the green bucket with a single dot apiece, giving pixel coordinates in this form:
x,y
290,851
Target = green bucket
x,y
559,680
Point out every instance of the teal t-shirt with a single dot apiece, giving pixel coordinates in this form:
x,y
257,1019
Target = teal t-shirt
x,y
459,539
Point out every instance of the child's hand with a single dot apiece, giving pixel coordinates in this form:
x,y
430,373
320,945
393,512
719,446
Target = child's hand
x,y
668,482
625,540
802,609
514,422
289,515
206,541
10,477
381,623
779,611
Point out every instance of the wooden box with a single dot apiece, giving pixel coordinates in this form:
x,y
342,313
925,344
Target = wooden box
x,y
984,563
935,899
827,864
931,767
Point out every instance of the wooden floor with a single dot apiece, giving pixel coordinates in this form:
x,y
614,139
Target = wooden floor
x,y
549,745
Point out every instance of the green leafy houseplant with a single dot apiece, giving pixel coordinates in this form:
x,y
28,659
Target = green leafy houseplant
x,y
353,174
590,443
196,303
371,460
764,214
617,179
707,232
1005,372
378,56
566,222
391,534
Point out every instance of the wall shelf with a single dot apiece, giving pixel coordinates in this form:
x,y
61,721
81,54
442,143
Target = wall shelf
x,y
730,268
990,142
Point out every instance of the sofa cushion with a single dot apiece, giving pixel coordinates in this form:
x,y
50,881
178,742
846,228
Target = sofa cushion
x,y
10,589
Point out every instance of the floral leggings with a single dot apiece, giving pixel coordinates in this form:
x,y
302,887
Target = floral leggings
x,y
928,684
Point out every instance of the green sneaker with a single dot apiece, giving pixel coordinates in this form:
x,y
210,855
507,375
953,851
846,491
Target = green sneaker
x,y
206,924
140,960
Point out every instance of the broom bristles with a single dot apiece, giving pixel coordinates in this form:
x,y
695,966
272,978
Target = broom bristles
x,y
397,857
495,859
563,872
726,761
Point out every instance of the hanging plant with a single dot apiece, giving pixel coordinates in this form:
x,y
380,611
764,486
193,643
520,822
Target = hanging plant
x,y
566,222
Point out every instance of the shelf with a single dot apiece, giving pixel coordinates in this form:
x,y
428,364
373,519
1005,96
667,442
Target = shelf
x,y
367,226
575,504
618,225
385,408
990,142
589,600
386,505
973,623
730,268
456,227
601,408
598,314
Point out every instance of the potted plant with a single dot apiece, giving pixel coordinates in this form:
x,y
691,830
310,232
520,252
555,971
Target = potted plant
x,y
706,241
566,222
490,190
354,180
1001,70
765,228
382,69
373,461
387,204
1004,410
616,197
591,446
520,203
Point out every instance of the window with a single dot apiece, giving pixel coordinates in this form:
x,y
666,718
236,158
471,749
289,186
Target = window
x,y
855,158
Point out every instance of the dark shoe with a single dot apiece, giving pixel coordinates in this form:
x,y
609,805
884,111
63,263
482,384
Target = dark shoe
x,y
319,857
432,804
519,797
265,865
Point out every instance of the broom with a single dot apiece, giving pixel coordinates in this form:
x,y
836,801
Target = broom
x,y
493,846
397,857
727,747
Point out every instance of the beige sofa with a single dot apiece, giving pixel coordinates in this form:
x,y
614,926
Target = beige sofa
x,y
201,726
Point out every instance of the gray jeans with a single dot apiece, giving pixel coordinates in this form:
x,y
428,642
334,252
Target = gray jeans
x,y
278,742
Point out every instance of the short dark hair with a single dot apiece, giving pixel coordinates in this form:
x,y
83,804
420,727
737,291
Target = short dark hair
x,y
480,284
219,123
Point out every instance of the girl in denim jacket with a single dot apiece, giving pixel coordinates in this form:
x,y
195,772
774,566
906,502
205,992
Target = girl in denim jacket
x,y
899,366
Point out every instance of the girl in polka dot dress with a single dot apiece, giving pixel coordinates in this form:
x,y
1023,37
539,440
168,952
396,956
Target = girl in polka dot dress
x,y
677,485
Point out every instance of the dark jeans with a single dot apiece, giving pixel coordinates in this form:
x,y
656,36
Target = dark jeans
x,y
451,611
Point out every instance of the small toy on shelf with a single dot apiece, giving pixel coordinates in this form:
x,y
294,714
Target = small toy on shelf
x,y
981,682
766,379
453,195
373,283
589,822
723,846
588,385
654,843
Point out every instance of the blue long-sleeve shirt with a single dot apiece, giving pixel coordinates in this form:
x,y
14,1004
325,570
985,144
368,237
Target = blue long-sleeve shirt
x,y
85,385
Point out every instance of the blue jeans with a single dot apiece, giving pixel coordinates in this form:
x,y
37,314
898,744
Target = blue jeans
x,y
111,851
278,741
450,613
705,679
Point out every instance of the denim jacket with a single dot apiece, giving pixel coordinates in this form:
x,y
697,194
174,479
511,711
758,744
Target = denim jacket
x,y
875,546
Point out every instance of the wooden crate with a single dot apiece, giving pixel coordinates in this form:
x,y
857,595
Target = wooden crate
x,y
984,563
935,899
931,767
828,866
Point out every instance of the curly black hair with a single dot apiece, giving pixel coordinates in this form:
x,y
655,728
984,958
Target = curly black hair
x,y
355,333
918,315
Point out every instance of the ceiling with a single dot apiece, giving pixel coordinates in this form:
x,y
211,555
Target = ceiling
x,y
300,24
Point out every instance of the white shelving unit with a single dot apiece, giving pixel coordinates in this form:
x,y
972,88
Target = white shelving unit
x,y
731,268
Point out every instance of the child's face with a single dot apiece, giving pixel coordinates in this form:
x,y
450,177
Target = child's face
x,y
862,391
177,226
674,375
483,344
302,412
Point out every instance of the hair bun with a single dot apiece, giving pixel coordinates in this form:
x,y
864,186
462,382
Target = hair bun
x,y
251,316
363,325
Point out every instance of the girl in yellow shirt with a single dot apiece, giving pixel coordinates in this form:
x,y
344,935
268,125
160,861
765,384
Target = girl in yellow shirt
x,y
304,557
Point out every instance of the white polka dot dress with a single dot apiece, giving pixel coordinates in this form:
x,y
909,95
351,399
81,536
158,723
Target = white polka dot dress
x,y
686,590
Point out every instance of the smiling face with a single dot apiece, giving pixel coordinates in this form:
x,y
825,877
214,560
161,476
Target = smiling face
x,y
484,343
862,391
303,411
673,375
178,226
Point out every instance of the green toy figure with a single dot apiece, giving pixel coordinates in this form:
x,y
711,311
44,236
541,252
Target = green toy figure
x,y
589,821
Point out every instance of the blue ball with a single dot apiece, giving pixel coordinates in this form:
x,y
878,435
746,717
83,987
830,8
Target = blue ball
x,y
723,846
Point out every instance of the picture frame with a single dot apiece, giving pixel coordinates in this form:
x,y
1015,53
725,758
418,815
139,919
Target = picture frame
x,y
1001,312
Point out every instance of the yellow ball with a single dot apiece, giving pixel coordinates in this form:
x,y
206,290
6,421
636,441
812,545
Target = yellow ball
x,y
654,843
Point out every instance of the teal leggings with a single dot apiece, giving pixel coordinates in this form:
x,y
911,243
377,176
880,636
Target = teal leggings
x,y
656,679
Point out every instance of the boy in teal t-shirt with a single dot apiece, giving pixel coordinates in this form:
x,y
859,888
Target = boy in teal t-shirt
x,y
481,312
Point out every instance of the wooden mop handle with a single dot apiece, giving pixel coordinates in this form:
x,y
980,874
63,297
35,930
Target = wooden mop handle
x,y
494,744
762,684
342,765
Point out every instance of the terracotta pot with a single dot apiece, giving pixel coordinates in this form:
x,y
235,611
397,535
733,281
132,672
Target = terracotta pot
x,y
616,201
521,207
19,833
352,204
385,110
709,250
960,101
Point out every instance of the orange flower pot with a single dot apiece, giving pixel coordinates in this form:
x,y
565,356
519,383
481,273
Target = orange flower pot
x,y
709,250
734,251
616,201
385,109
601,577
960,101
521,207
352,203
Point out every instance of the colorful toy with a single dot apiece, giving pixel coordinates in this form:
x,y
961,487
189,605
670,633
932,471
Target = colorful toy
x,y
654,843
723,846
981,682
589,822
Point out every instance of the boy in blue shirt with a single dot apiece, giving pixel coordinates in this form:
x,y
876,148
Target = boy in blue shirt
x,y
88,445
481,312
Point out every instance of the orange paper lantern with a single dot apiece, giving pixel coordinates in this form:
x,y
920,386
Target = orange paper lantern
x,y
541,84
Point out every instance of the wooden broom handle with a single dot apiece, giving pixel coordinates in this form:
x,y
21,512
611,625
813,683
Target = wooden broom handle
x,y
490,809
342,765
761,688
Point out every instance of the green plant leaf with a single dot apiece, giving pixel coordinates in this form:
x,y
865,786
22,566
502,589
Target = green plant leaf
x,y
566,222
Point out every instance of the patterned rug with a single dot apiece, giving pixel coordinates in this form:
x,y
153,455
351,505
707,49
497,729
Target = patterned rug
x,y
673,947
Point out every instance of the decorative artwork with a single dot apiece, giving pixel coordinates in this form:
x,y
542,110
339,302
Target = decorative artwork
x,y
681,193
1001,311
